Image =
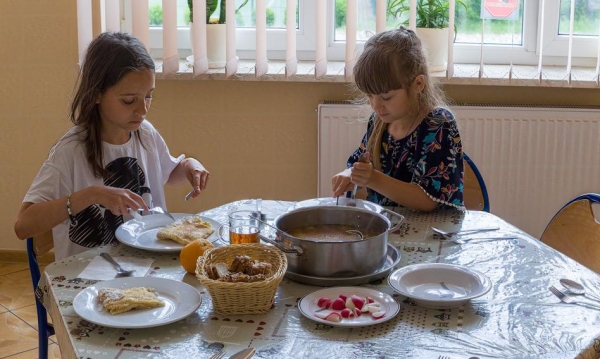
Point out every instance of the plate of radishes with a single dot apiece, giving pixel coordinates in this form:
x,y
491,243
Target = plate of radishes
x,y
348,306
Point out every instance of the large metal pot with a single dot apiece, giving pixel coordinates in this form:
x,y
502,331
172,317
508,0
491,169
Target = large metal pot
x,y
334,258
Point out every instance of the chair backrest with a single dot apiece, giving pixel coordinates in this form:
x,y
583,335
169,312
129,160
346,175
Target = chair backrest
x,y
575,232
38,246
474,189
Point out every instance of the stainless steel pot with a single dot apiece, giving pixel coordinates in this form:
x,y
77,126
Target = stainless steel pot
x,y
330,258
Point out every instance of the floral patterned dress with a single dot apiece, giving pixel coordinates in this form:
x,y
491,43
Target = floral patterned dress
x,y
431,157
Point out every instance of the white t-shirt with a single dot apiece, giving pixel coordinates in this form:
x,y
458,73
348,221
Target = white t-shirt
x,y
143,169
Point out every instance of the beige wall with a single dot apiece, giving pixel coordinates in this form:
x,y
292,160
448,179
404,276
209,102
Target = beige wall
x,y
258,139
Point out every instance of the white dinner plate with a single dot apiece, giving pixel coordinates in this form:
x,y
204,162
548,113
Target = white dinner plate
x,y
439,285
142,234
332,201
308,305
181,300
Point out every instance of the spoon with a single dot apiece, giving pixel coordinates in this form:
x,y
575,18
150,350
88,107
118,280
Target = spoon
x,y
577,288
465,231
120,271
352,201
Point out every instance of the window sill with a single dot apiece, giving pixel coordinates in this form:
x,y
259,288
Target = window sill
x,y
464,74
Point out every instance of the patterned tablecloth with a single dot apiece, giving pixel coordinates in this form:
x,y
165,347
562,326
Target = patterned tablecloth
x,y
517,318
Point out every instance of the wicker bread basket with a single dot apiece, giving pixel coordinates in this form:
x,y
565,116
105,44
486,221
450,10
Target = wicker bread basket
x,y
242,298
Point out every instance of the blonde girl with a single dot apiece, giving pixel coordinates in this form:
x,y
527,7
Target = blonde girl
x,y
413,146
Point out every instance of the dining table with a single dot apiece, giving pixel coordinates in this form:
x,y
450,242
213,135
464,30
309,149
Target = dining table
x,y
517,318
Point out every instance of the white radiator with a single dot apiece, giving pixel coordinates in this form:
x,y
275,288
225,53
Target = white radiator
x,y
533,159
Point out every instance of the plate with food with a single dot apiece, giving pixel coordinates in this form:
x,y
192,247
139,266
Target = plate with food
x,y
348,306
136,302
439,285
158,233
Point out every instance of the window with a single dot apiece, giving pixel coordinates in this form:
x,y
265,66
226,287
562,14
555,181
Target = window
x,y
538,32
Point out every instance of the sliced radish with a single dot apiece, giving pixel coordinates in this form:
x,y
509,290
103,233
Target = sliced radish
x,y
322,315
346,313
324,302
370,300
373,308
343,297
338,304
378,315
357,312
333,317
357,302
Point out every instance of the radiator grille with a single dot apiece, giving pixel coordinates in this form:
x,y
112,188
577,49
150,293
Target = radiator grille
x,y
533,159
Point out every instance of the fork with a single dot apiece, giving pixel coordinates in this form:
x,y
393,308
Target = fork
x,y
463,231
567,299
218,355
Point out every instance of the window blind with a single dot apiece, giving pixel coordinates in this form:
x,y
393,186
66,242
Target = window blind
x,y
110,18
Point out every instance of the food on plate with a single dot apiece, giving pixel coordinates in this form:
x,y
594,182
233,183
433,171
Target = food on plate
x,y
242,269
347,306
186,230
191,252
116,300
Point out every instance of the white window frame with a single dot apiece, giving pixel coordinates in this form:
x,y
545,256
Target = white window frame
x,y
557,45
585,49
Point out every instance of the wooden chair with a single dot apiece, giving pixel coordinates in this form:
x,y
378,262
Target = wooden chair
x,y
575,232
36,247
474,189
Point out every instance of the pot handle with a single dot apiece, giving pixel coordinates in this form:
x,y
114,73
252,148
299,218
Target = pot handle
x,y
276,243
394,214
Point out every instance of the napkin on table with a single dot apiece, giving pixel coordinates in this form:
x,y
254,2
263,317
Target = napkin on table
x,y
100,269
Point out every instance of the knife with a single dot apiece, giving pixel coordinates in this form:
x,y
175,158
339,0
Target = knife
x,y
243,354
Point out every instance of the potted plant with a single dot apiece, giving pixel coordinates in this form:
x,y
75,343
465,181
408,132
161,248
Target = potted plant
x,y
432,27
215,30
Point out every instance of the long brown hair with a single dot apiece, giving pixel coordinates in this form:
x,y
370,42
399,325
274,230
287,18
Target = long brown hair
x,y
391,60
109,57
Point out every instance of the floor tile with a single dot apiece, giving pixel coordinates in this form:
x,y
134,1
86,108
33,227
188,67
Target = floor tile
x,y
53,353
29,315
16,290
16,336
7,268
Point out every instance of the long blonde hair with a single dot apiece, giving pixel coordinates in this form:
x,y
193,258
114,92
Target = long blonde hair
x,y
391,60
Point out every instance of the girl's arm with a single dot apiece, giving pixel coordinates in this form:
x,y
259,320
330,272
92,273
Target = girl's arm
x,y
36,218
192,170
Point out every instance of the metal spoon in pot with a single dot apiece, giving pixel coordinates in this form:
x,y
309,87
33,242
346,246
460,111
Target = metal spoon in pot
x,y
577,288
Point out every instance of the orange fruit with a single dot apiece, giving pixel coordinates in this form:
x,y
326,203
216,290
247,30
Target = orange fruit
x,y
191,252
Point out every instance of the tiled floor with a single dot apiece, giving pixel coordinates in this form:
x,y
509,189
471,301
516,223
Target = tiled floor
x,y
18,317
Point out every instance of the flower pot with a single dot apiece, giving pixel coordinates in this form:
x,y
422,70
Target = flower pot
x,y
215,44
435,44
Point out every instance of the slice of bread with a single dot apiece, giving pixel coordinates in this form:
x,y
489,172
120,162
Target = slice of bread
x,y
186,230
117,301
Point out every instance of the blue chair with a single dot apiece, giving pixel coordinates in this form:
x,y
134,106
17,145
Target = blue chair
x,y
474,189
37,247
575,232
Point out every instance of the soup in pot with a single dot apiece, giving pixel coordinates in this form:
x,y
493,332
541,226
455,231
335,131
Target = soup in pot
x,y
330,233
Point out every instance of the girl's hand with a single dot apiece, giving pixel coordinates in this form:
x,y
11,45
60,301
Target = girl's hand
x,y
340,183
362,172
197,175
119,200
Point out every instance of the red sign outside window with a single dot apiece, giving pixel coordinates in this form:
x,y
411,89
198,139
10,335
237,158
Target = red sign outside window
x,y
500,9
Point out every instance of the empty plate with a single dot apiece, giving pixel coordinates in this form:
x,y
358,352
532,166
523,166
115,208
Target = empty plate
x,y
439,285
